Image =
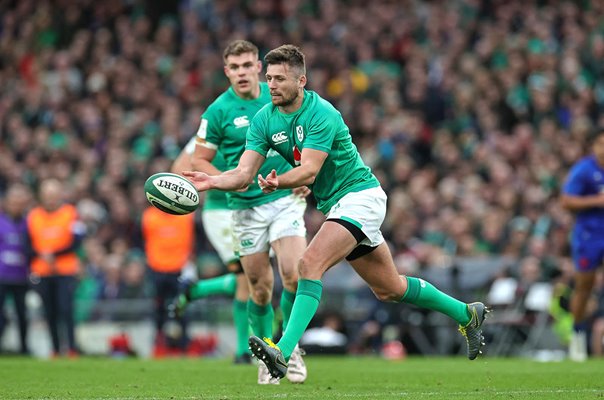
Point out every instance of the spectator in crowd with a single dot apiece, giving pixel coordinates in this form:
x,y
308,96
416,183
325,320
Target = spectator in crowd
x,y
169,242
55,233
14,258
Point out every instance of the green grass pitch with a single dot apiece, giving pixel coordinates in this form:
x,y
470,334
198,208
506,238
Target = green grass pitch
x,y
329,378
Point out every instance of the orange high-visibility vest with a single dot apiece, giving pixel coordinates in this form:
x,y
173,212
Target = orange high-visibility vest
x,y
168,239
50,232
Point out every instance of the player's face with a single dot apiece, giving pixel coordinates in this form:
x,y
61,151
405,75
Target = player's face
x,y
242,71
598,148
284,84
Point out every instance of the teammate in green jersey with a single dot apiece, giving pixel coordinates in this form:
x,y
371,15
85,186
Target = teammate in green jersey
x,y
260,221
311,134
217,224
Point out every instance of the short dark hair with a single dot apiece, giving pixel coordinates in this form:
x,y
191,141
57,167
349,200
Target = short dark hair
x,y
238,47
287,54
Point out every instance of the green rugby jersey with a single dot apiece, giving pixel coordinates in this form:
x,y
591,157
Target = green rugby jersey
x,y
224,126
315,125
214,199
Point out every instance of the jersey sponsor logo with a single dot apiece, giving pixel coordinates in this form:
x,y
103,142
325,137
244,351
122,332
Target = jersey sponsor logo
x,y
279,137
203,129
297,155
300,133
271,153
241,122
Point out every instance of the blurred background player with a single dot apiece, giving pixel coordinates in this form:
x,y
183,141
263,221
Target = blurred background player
x,y
583,194
168,243
55,233
217,224
261,221
14,258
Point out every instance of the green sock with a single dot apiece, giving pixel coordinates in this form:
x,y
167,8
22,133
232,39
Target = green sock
x,y
242,326
424,294
261,319
305,306
225,284
287,302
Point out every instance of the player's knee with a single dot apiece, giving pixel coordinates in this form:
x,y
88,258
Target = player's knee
x,y
386,296
260,290
261,295
308,268
289,276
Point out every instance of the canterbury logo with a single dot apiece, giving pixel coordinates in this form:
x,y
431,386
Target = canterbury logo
x,y
242,121
279,137
247,243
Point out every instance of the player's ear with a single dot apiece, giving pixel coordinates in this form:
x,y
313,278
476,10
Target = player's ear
x,y
259,66
302,81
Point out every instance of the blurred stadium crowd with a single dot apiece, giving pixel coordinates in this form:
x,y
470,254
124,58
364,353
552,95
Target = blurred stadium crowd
x,y
470,112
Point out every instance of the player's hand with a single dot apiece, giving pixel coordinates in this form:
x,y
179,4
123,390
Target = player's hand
x,y
200,180
246,187
301,191
270,184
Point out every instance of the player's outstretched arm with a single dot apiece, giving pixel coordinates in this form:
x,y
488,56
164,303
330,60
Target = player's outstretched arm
x,y
236,179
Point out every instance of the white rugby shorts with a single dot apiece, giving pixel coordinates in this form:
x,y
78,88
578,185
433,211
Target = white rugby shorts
x,y
218,226
366,210
257,227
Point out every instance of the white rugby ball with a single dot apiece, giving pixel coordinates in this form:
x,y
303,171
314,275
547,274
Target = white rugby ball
x,y
171,193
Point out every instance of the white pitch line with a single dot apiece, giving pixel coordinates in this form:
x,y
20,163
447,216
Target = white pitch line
x,y
377,395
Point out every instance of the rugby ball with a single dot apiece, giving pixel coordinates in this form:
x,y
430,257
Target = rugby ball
x,y
171,193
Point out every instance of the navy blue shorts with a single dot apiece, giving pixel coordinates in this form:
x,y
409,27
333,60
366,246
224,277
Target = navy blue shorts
x,y
588,255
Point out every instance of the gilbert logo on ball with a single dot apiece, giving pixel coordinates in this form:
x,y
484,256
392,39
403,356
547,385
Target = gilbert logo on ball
x,y
171,193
